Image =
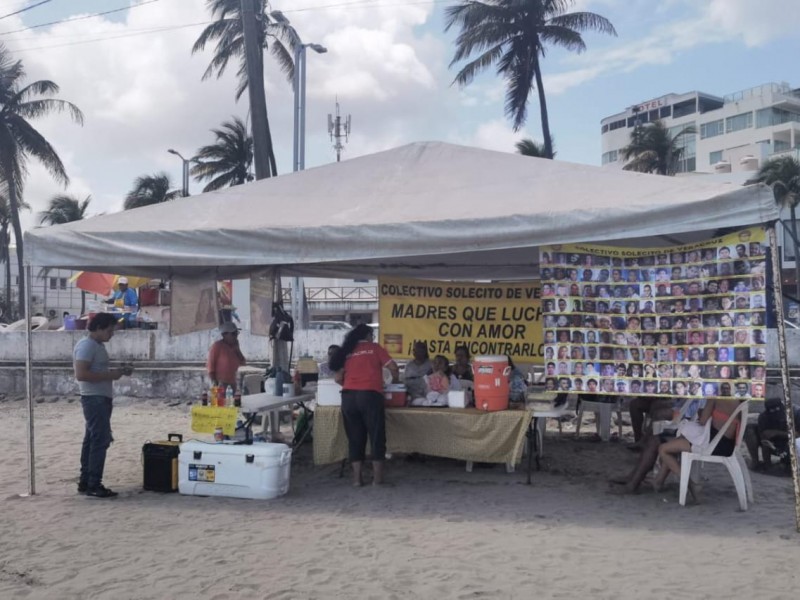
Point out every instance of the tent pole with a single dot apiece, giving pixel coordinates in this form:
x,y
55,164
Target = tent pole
x,y
29,380
784,362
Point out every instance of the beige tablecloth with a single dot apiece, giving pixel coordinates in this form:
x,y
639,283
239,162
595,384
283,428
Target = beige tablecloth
x,y
459,433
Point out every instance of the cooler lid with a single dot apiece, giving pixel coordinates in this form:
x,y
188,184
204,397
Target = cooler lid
x,y
491,358
231,449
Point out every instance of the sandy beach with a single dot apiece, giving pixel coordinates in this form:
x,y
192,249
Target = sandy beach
x,y
434,532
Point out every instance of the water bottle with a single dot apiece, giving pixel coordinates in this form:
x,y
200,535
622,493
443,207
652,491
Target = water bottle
x,y
229,396
279,380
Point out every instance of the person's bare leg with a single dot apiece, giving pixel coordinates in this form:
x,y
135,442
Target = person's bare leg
x,y
357,481
646,461
669,464
377,472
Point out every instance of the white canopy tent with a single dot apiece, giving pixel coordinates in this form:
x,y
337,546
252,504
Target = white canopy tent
x,y
427,209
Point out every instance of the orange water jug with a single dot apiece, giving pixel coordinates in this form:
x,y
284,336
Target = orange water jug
x,y
491,382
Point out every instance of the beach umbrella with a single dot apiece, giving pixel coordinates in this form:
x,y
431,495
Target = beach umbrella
x,y
103,284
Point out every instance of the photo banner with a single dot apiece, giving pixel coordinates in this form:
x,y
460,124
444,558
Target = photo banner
x,y
676,321
487,318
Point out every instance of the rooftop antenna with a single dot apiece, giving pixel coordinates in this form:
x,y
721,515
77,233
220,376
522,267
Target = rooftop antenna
x,y
338,129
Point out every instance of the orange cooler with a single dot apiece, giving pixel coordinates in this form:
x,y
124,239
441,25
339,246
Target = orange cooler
x,y
491,382
395,394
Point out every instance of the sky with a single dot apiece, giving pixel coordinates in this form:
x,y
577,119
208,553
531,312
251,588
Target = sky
x,y
140,88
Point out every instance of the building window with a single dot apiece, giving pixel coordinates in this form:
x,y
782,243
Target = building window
x,y
767,117
739,122
604,129
62,283
681,109
688,142
617,125
714,157
53,282
609,157
665,112
781,146
712,129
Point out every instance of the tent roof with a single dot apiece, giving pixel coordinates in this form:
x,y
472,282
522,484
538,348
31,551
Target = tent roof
x,y
428,209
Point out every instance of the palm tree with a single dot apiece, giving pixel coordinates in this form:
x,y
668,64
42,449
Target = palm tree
x,y
150,189
783,175
19,141
64,209
228,160
529,147
228,32
514,35
654,150
5,238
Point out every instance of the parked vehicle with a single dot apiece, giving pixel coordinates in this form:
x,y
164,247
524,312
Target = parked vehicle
x,y
329,326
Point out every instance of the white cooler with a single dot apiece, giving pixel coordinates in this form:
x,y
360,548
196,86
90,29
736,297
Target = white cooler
x,y
329,393
259,471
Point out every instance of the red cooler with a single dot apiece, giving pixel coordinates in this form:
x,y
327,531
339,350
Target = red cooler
x,y
491,382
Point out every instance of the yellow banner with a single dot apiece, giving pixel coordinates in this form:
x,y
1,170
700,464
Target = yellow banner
x,y
205,419
488,318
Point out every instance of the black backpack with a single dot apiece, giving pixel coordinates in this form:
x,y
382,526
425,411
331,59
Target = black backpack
x,y
282,326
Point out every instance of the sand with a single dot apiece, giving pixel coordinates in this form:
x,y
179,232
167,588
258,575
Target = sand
x,y
436,532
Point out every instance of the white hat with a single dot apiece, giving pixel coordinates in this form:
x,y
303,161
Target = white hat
x,y
123,280
228,327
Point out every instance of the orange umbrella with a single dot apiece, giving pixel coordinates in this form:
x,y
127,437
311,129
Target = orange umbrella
x,y
103,284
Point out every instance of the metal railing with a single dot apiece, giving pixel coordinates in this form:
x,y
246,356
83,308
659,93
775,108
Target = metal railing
x,y
336,294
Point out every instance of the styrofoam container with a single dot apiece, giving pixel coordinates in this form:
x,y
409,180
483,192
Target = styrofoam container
x,y
258,471
457,399
329,393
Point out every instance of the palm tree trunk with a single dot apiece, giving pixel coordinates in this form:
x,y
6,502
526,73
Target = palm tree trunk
x,y
6,240
548,140
13,202
18,237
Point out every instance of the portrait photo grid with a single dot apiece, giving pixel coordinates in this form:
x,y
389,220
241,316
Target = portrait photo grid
x,y
679,321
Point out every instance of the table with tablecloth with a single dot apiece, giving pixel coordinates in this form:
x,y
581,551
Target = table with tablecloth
x,y
459,433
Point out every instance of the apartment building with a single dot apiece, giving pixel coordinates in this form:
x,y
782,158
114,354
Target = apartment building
x,y
734,133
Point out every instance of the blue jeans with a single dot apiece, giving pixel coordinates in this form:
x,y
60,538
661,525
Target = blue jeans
x,y
96,440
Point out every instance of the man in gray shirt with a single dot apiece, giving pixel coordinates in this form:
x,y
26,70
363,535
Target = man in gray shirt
x,y
95,381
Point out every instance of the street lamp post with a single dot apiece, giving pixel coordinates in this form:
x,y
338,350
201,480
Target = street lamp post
x,y
186,161
299,84
299,146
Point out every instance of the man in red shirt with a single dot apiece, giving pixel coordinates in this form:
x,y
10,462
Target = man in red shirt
x,y
225,357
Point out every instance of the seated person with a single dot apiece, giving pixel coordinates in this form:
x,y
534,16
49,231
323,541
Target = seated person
x,y
770,436
683,411
437,384
659,409
125,298
517,386
461,368
416,370
324,367
717,411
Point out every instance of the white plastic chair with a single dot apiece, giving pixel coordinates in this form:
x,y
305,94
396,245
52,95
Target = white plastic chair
x,y
734,463
602,411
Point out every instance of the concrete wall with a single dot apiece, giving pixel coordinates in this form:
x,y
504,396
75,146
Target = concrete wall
x,y
157,345
171,368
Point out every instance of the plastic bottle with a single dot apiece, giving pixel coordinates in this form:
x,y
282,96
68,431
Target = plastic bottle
x,y
229,396
212,396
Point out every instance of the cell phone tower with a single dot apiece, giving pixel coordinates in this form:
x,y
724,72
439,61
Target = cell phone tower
x,y
338,129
